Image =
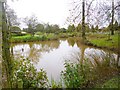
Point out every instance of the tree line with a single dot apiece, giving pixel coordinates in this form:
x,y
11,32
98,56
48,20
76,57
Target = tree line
x,y
89,15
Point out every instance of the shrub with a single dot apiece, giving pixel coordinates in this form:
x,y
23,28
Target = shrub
x,y
26,76
72,77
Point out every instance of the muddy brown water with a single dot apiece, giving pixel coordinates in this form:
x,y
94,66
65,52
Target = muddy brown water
x,y
51,55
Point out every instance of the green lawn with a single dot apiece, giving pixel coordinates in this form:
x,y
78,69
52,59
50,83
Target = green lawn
x,y
103,40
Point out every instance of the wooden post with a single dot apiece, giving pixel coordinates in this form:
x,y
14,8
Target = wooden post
x,y
5,49
0,45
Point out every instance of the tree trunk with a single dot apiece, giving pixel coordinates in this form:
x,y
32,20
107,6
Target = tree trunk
x,y
6,61
83,19
112,21
0,45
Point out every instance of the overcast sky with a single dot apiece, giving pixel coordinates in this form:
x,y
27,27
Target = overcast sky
x,y
52,11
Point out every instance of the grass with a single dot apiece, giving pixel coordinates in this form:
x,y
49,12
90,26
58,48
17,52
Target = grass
x,y
29,38
41,37
103,40
111,83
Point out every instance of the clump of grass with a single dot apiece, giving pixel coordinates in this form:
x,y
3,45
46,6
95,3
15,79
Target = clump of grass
x,y
55,84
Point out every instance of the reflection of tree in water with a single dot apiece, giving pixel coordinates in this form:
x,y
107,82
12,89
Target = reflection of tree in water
x,y
34,50
100,66
104,63
71,41
82,49
50,44
77,57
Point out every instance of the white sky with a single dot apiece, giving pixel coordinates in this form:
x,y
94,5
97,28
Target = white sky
x,y
52,11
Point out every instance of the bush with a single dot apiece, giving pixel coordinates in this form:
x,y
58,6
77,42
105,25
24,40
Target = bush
x,y
26,76
72,77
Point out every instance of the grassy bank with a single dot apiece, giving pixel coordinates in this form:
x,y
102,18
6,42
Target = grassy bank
x,y
41,37
29,38
110,43
104,41
111,83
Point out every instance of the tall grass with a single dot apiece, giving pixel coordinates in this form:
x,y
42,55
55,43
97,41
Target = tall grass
x,y
54,84
90,72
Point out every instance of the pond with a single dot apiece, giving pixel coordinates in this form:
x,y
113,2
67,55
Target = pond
x,y
51,55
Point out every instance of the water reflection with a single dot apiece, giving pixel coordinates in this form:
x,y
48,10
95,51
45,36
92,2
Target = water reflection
x,y
51,55
33,51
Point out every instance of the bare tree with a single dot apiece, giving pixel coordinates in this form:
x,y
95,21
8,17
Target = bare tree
x,y
31,22
108,13
11,16
80,14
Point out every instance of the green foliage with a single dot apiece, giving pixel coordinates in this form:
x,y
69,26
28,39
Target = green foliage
x,y
111,83
103,40
40,36
15,29
26,76
96,28
72,77
37,37
116,25
89,72
31,22
54,84
27,38
40,28
71,28
79,28
55,28
52,28
87,28
92,29
63,30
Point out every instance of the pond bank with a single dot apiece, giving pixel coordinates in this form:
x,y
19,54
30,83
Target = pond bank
x,y
111,43
110,83
41,37
104,42
101,41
